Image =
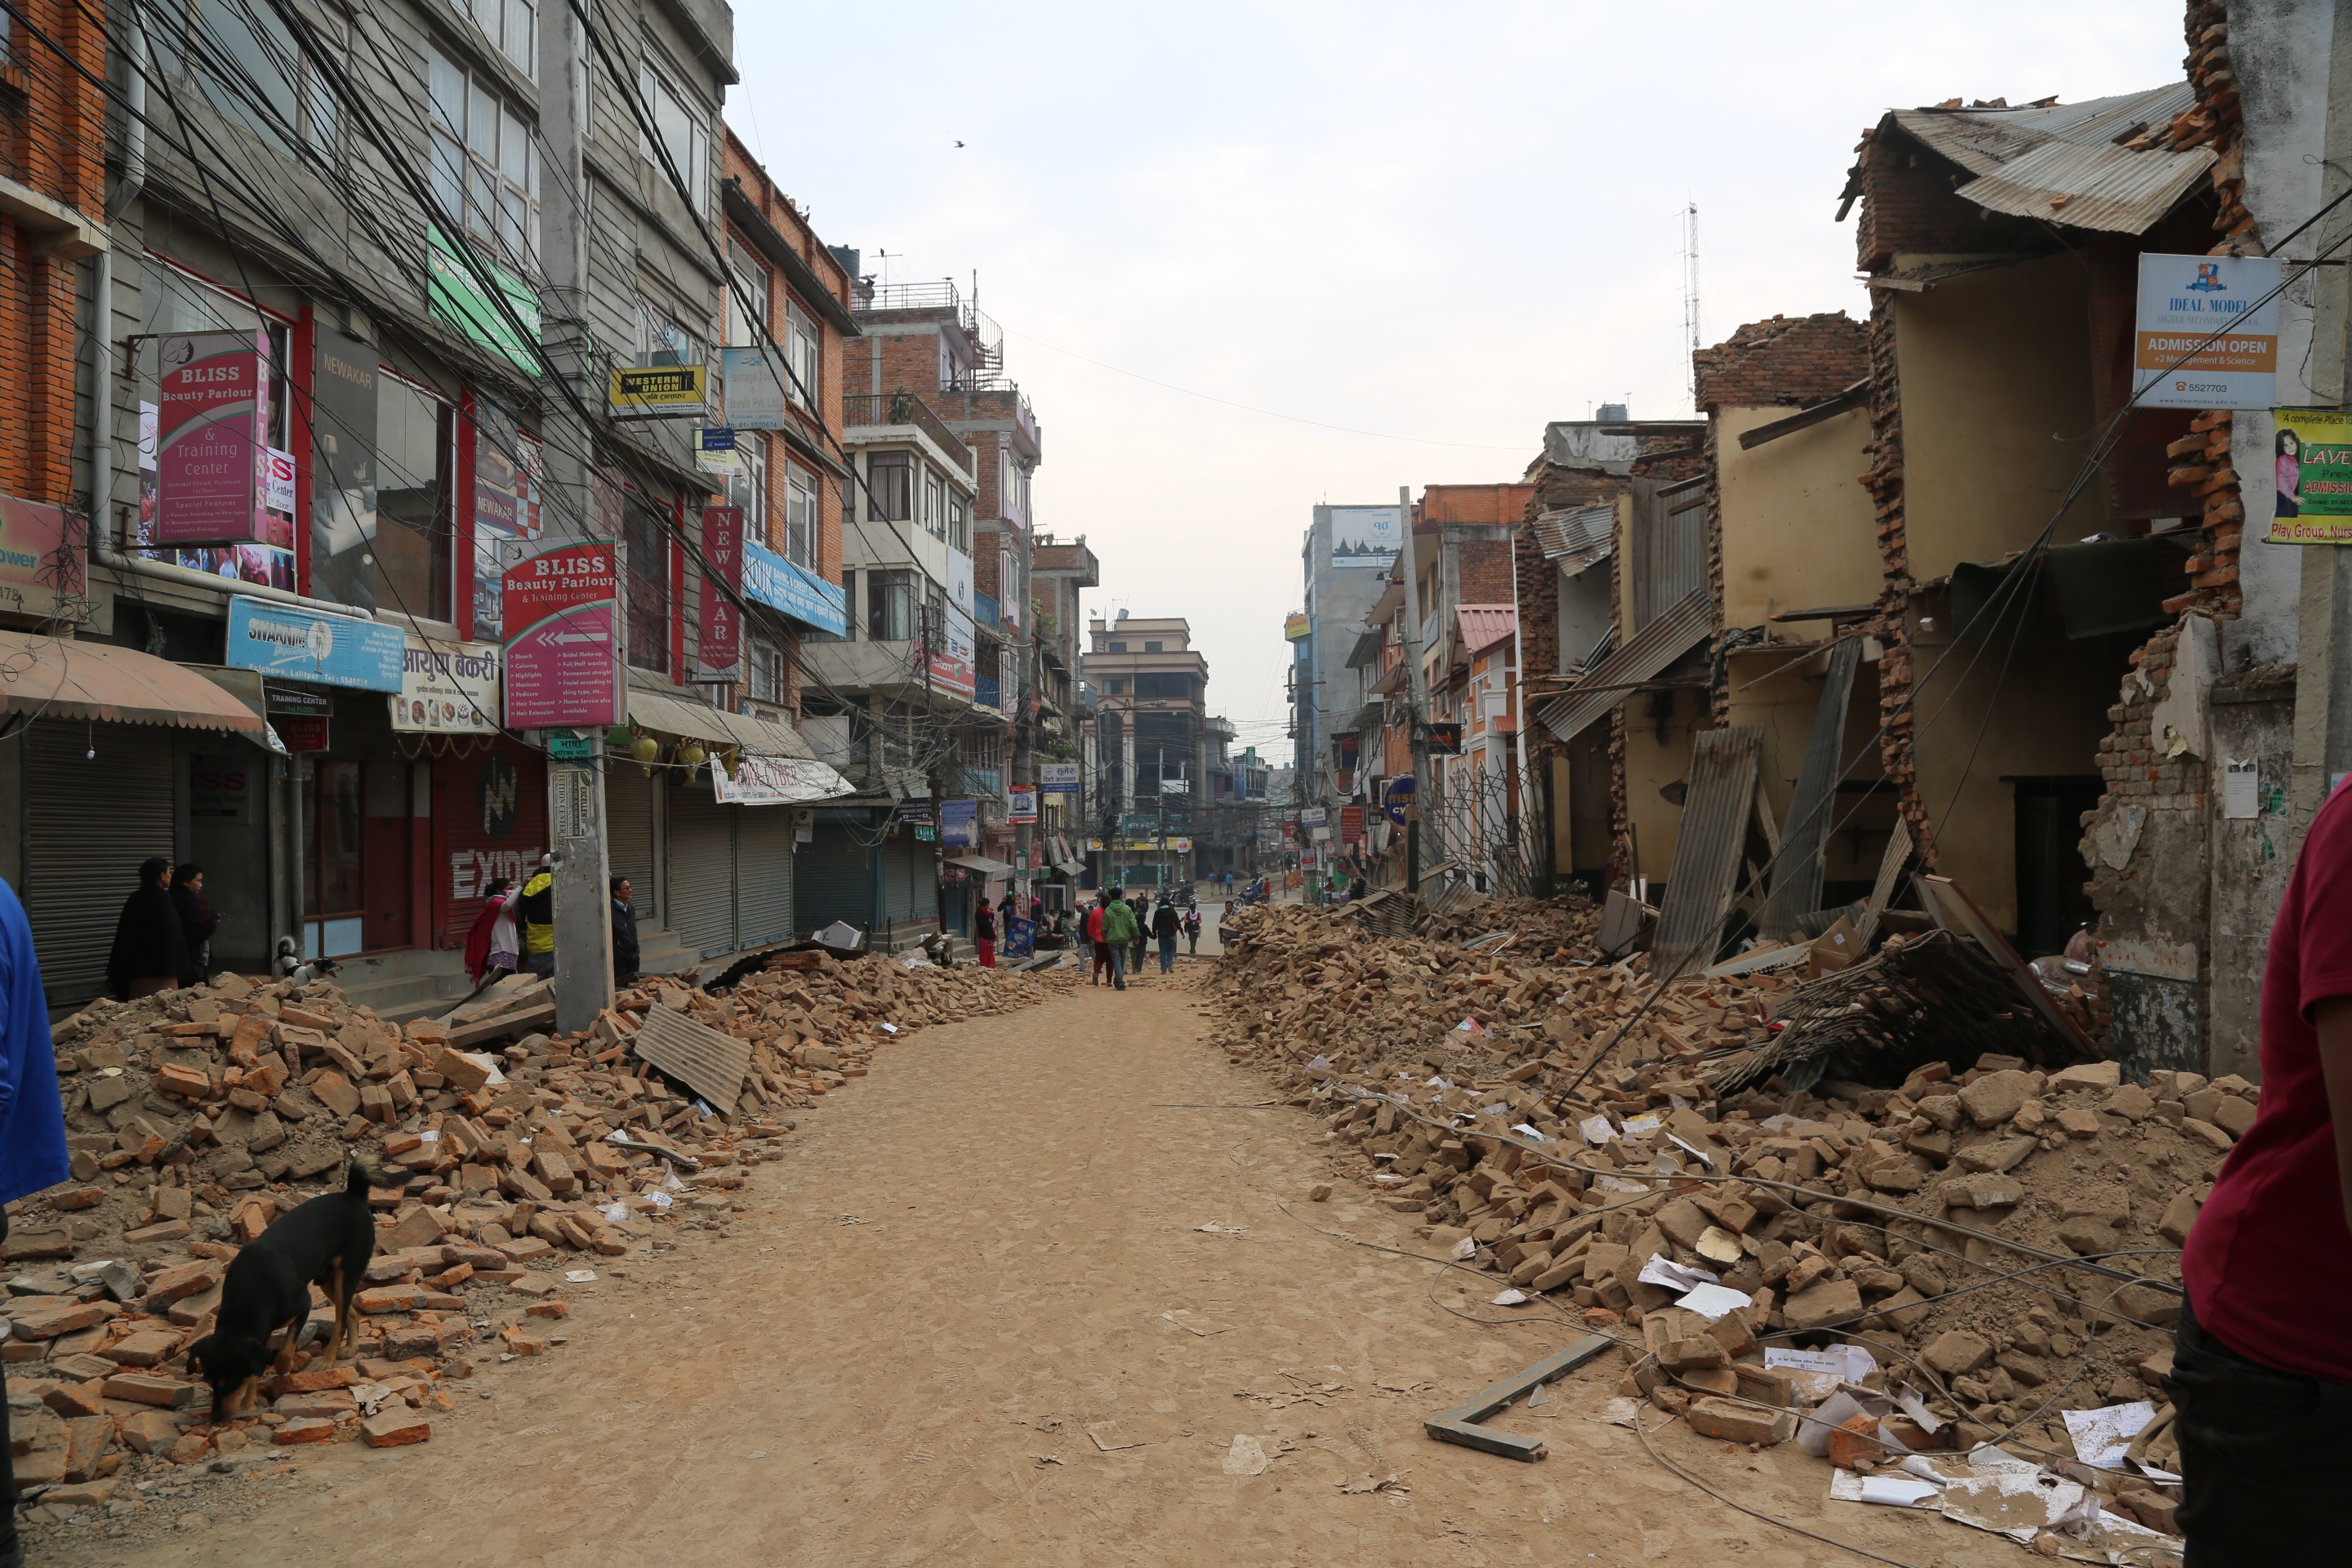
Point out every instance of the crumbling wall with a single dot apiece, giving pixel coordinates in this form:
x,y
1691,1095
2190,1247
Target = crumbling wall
x,y
2253,720
1884,482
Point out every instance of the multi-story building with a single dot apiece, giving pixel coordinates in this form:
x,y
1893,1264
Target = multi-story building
x,y
1345,559
1154,741
1059,575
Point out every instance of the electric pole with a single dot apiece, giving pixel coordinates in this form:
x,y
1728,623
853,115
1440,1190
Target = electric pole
x,y
1418,698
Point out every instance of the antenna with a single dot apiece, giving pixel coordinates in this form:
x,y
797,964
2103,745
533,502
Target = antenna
x,y
1690,300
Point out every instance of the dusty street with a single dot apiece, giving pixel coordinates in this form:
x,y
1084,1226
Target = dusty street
x,y
1009,1300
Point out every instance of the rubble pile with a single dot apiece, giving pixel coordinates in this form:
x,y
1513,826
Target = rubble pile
x,y
196,1117
2003,1240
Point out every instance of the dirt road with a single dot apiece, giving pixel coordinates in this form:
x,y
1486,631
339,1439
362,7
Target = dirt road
x,y
973,1316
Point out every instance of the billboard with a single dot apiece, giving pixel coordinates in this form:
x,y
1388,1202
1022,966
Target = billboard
x,y
561,611
212,449
2311,489
2208,331
1365,535
952,651
801,593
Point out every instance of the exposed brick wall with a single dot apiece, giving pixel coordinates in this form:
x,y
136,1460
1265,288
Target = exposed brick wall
x,y
1485,572
1884,482
1794,360
1907,204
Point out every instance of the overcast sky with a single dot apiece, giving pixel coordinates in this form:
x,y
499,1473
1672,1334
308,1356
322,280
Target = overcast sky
x,y
1432,227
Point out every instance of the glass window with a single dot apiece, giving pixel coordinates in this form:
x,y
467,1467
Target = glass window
x,y
800,518
485,161
748,490
662,341
935,504
513,27
960,522
1151,648
414,432
746,325
890,487
805,352
680,122
1119,647
767,671
644,532
890,606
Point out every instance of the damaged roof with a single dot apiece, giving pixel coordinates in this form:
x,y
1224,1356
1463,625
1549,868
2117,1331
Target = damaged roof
x,y
1576,539
2064,163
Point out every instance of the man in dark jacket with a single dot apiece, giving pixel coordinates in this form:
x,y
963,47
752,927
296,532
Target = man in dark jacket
x,y
197,920
32,1127
1163,928
151,945
625,931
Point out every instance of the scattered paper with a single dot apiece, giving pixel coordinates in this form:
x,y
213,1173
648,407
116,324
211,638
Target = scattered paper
x,y
2101,1436
1596,1129
1914,1406
1817,1373
1888,1491
1618,1184
1111,1447
1497,1110
1246,1456
1537,1395
1470,1026
1701,1155
1510,1299
2241,787
580,1276
615,1212
1663,1270
890,1028
1466,1247
430,1135
1813,1434
1712,1301
1643,1125
1320,1064
2019,1503
1216,1229
1621,1411
1528,1131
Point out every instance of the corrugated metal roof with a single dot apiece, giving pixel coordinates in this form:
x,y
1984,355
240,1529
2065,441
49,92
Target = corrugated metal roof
x,y
2064,162
1576,539
1651,649
1484,626
710,1063
1719,800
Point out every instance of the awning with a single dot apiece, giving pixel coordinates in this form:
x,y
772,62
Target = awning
x,y
675,716
981,863
1484,626
67,677
1643,657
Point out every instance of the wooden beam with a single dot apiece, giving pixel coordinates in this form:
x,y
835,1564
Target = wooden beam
x,y
1460,1424
1828,408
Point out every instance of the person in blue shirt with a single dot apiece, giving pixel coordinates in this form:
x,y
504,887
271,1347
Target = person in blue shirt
x,y
32,1131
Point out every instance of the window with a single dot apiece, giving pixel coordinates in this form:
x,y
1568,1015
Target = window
x,y
890,487
1119,647
935,504
960,523
748,490
485,161
1118,689
803,353
662,341
767,671
249,65
890,606
1152,648
645,543
800,518
512,26
678,120
415,476
745,325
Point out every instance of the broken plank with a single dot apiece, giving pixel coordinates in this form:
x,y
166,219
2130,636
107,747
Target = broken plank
x,y
1460,1423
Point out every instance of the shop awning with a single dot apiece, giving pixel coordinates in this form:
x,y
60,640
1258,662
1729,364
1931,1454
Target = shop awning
x,y
675,716
66,678
981,863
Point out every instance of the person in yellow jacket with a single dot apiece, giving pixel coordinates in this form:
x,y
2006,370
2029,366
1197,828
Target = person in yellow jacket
x,y
536,913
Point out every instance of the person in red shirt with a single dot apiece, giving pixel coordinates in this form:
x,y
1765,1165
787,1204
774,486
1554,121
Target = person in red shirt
x,y
2262,1370
1100,948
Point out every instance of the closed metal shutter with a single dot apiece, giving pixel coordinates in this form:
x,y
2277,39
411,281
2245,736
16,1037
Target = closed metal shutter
x,y
629,835
701,870
764,874
489,820
910,878
92,821
833,875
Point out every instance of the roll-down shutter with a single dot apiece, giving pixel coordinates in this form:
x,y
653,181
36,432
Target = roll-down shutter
x,y
701,870
91,820
833,875
629,835
764,874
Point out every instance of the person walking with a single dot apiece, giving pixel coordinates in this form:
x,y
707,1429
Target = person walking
x,y
625,931
1091,928
2262,1355
536,911
1120,932
32,1132
151,944
197,922
1142,912
1192,933
1164,926
983,931
490,944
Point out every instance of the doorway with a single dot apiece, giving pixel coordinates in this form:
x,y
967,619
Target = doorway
x,y
2053,885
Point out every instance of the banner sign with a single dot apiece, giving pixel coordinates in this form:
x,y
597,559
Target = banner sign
x,y
960,823
660,392
211,450
1020,805
40,557
754,384
777,781
2310,500
1058,778
562,609
1020,938
448,688
1365,535
912,809
304,644
1176,845
719,653
1351,825
2208,331
502,318
808,598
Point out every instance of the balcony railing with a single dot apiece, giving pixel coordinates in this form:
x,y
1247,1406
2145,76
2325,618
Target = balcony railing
x,y
986,692
983,608
904,408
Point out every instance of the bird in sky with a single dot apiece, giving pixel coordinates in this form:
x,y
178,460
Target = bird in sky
x,y
958,143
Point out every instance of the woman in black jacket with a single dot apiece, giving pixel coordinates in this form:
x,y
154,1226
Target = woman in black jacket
x,y
151,945
197,920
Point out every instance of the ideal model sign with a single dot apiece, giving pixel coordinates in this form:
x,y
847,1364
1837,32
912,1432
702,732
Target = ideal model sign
x,y
320,650
211,450
2208,331
718,654
2311,499
561,608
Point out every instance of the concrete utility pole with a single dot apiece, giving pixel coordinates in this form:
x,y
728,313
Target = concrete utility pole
x,y
1418,728
575,789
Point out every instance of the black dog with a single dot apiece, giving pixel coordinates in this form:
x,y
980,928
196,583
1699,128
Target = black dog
x,y
328,1242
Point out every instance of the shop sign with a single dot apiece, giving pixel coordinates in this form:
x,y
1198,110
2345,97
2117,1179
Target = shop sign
x,y
2311,499
1351,825
299,701
719,651
561,611
1397,799
960,823
562,747
451,688
715,451
296,644
1058,778
1175,845
2208,331
660,392
1020,804
1313,816
40,557
211,449
926,834
777,781
220,788
912,809
808,598
502,318
302,734
754,379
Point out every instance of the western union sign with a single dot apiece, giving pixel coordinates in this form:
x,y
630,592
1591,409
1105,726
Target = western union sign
x,y
661,391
